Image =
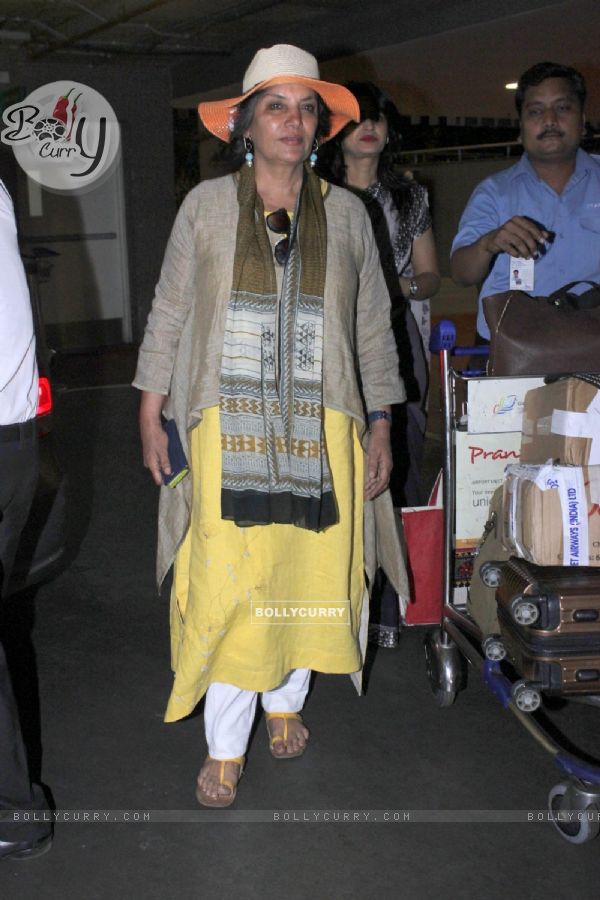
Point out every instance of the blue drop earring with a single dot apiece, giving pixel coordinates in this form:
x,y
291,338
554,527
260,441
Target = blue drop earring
x,y
313,156
249,148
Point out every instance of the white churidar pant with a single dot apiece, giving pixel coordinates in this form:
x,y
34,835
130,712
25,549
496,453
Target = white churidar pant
x,y
229,711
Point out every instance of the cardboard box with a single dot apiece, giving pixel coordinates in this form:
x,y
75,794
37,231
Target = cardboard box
x,y
552,514
496,404
561,424
480,463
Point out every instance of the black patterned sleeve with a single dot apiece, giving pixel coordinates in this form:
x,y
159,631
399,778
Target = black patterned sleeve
x,y
420,210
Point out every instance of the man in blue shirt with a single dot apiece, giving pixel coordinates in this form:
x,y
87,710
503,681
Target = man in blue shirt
x,y
545,210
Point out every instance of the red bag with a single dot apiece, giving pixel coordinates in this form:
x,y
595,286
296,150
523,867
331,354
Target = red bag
x,y
424,539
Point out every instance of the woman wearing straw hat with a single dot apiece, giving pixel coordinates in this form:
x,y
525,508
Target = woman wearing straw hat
x,y
269,345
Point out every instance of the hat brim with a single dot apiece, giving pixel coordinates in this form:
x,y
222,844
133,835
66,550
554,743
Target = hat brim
x,y
218,115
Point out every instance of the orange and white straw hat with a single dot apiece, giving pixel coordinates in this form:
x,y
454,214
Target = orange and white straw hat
x,y
281,64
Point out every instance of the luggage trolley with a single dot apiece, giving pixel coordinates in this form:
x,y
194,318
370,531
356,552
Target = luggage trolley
x,y
458,640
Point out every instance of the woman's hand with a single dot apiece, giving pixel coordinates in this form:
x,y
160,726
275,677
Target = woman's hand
x,y
154,438
379,459
424,267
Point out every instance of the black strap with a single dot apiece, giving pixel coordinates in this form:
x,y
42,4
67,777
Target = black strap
x,y
590,299
386,254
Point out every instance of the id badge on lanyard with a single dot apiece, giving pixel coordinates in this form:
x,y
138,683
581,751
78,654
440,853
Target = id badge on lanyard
x,y
521,275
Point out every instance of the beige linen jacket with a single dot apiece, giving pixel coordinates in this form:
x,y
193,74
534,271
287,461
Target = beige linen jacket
x,y
180,355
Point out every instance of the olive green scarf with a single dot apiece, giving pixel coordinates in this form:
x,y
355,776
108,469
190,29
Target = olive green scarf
x,y
274,460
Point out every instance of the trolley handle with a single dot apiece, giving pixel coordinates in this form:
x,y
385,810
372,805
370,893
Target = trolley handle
x,y
479,350
443,339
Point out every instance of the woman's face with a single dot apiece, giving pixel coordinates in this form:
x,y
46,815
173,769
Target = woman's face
x,y
284,124
366,140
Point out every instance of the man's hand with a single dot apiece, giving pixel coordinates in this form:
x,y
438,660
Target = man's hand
x,y
379,459
517,237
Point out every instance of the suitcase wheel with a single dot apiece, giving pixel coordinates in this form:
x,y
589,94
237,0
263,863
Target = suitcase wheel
x,y
491,573
493,648
583,807
526,696
524,611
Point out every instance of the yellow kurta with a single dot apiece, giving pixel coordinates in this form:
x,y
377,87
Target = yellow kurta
x,y
250,604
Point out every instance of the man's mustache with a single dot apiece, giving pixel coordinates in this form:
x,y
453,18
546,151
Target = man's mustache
x,y
550,132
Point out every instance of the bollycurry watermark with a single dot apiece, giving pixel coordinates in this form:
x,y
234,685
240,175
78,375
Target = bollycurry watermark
x,y
405,817
299,612
64,135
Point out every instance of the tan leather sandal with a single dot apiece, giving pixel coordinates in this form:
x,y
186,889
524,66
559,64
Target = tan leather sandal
x,y
282,738
221,800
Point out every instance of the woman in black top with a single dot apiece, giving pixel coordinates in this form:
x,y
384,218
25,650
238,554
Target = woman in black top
x,y
364,158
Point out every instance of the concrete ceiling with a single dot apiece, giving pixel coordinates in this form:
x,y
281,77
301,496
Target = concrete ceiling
x,y
213,41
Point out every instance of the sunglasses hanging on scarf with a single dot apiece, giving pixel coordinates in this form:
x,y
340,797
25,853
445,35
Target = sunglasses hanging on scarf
x,y
279,223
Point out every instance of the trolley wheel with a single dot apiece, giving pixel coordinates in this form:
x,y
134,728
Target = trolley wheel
x,y
526,696
581,828
444,698
491,573
446,667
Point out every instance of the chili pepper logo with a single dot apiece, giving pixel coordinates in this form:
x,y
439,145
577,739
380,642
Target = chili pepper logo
x,y
60,110
58,126
73,111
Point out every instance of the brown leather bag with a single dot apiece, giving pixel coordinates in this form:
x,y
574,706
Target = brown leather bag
x,y
544,335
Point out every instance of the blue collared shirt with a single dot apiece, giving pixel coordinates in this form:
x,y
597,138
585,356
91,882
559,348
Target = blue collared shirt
x,y
573,216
